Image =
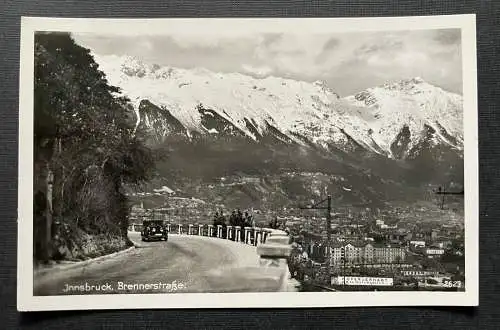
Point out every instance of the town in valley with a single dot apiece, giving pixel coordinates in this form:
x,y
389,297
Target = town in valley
x,y
406,247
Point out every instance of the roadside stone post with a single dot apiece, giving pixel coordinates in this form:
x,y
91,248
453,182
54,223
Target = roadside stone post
x,y
210,230
179,229
278,238
247,235
262,235
219,231
274,254
237,233
190,229
200,230
168,227
229,232
255,236
265,235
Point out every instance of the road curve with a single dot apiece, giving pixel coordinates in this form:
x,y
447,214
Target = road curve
x,y
183,264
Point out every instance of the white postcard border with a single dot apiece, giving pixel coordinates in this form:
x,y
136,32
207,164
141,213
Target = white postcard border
x,y
26,301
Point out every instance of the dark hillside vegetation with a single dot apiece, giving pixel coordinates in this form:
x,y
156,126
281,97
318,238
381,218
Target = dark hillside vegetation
x,y
85,150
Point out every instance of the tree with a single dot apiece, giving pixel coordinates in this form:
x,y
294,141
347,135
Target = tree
x,y
85,144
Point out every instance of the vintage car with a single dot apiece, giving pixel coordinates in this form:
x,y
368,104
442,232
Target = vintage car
x,y
154,230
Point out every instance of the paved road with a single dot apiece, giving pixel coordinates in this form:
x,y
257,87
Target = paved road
x,y
183,264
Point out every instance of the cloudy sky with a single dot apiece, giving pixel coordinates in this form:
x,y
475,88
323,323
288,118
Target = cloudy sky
x,y
348,62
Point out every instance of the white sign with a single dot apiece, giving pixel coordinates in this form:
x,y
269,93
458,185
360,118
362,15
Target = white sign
x,y
358,280
418,273
435,251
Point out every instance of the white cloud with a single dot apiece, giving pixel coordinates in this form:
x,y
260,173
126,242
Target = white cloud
x,y
356,60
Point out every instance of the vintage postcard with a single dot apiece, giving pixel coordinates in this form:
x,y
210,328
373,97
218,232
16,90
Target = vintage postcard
x,y
195,163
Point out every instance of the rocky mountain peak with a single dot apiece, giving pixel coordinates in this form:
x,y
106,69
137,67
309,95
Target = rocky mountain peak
x,y
306,113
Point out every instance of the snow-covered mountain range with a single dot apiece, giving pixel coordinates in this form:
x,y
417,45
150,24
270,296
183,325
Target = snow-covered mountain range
x,y
394,120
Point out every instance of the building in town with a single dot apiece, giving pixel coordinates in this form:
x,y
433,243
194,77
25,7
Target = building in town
x,y
417,243
443,244
419,273
365,252
164,190
434,251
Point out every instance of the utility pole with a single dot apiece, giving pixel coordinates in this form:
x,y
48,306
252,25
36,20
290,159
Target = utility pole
x,y
328,208
329,233
442,192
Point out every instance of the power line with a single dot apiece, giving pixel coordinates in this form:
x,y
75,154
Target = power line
x,y
443,193
328,207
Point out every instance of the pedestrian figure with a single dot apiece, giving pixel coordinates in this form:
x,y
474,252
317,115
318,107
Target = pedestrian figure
x,y
233,221
216,222
274,223
222,218
249,220
241,223
233,218
222,222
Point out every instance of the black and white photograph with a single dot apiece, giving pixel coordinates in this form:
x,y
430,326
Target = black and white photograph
x,y
247,163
